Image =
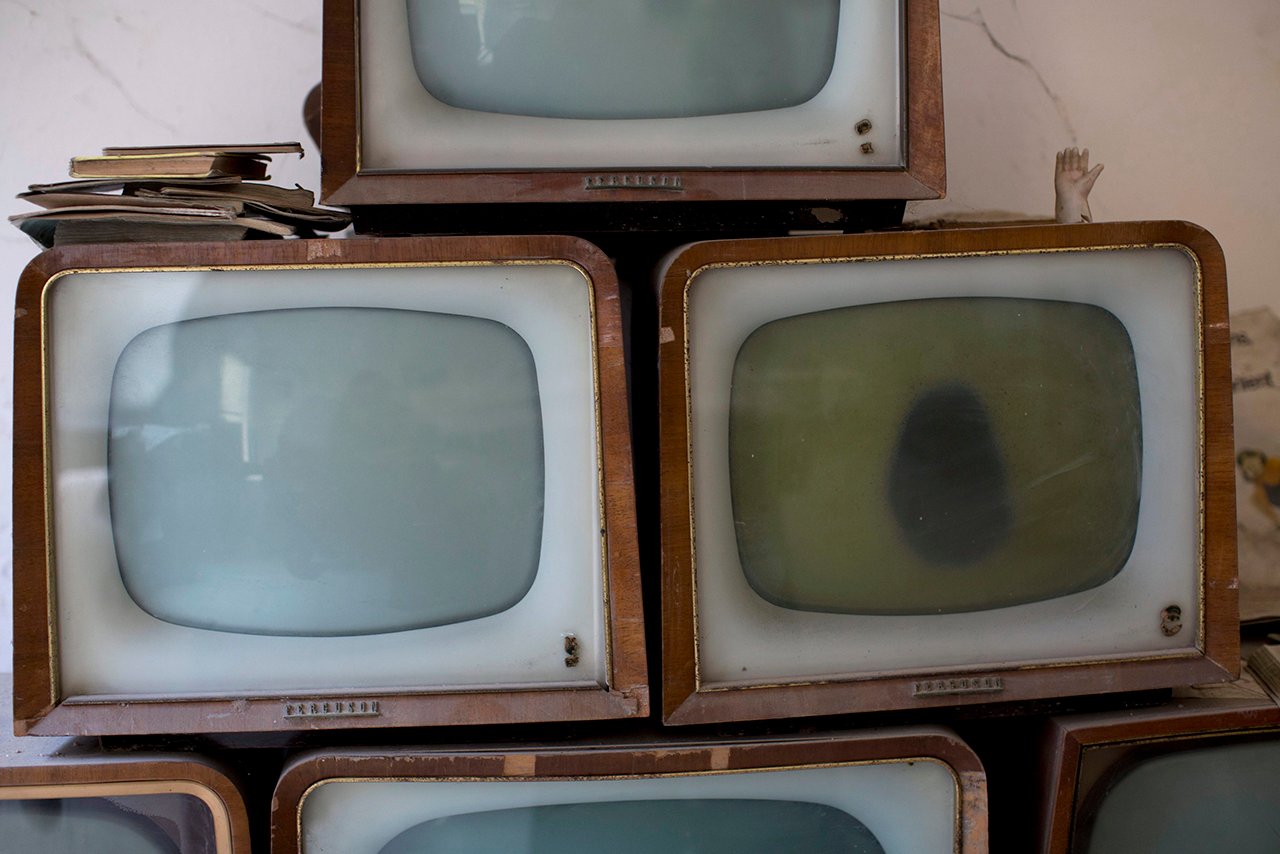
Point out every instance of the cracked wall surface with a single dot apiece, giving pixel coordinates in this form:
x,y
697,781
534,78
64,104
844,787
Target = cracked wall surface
x,y
1180,100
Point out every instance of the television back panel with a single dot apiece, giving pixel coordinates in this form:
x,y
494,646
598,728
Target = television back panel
x,y
928,469
462,103
904,791
1199,773
323,484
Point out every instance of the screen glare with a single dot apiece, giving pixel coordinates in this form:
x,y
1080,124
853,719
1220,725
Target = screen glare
x,y
623,59
695,826
326,471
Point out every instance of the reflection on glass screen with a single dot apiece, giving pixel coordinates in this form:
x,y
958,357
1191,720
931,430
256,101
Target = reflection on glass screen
x,y
1221,798
621,59
938,455
133,824
697,826
326,471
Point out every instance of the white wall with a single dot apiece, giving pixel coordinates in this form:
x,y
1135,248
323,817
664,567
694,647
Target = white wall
x,y
1180,98
83,74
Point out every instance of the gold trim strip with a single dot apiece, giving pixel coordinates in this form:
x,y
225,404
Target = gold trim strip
x,y
1200,735
358,82
699,685
960,670
46,477
601,495
688,457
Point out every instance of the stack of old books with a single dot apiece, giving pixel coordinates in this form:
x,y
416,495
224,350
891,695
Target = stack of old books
x,y
174,193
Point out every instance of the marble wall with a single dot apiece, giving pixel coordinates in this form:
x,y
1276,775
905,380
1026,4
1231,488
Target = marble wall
x,y
1180,98
88,73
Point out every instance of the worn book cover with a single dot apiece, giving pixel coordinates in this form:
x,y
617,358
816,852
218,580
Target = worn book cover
x,y
170,166
1265,663
251,148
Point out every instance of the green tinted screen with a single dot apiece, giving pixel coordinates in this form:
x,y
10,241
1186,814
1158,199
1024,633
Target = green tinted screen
x,y
938,455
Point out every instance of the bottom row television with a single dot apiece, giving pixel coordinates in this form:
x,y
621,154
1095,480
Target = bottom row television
x,y
903,791
1192,775
876,792
66,798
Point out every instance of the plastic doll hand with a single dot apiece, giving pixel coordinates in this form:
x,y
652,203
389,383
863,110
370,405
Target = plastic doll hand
x,y
1072,181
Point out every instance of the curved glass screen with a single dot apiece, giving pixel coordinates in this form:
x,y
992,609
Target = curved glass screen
x,y
623,59
326,471
132,824
697,826
932,456
1220,798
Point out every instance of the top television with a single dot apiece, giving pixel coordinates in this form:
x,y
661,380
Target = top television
x,y
918,469
292,485
474,101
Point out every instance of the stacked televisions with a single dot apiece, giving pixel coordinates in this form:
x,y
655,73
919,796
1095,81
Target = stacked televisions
x,y
194,479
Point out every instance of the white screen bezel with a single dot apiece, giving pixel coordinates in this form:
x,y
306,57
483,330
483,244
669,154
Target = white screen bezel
x,y
107,645
402,128
743,640
909,804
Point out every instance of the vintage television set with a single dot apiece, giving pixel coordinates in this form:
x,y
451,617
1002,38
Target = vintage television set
x,y
317,484
924,469
58,795
1198,774
906,791
647,102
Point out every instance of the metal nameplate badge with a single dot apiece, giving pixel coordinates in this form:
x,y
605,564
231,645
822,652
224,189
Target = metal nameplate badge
x,y
640,181
332,709
962,685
